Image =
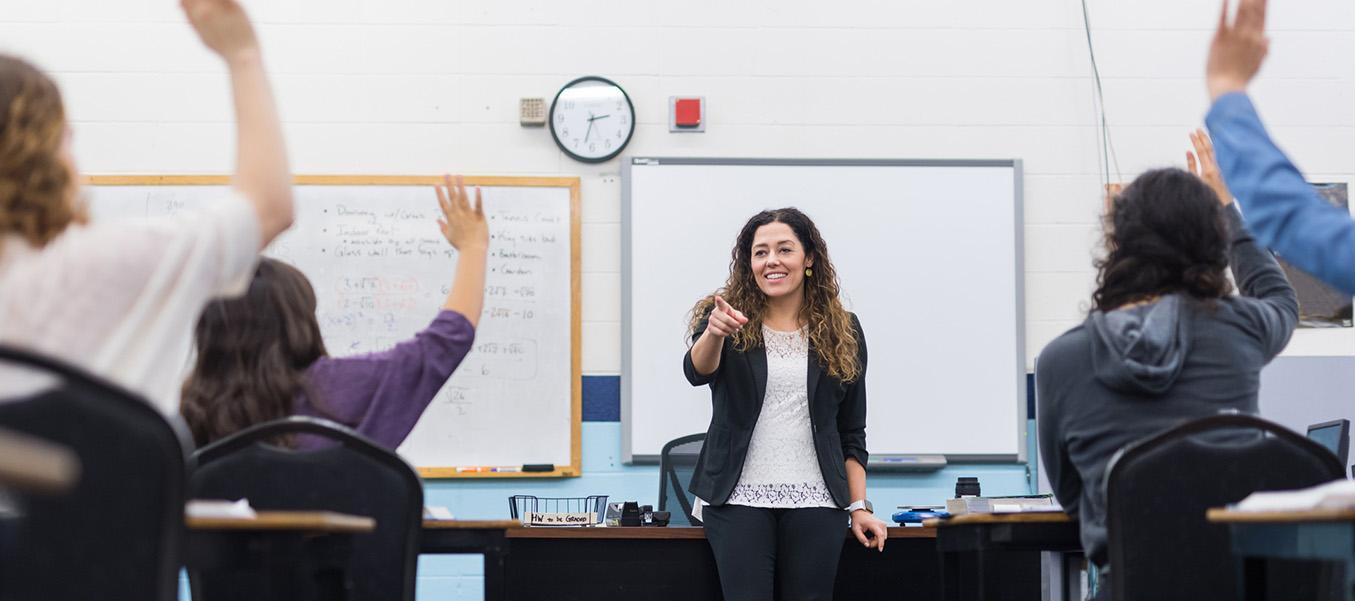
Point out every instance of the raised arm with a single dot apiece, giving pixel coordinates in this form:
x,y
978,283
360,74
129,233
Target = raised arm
x,y
465,229
262,175
1281,209
1257,273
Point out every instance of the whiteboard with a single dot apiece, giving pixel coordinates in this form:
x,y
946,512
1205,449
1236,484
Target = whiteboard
x,y
381,271
929,254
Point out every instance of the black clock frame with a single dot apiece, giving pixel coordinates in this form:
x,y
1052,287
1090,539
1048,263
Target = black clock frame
x,y
555,136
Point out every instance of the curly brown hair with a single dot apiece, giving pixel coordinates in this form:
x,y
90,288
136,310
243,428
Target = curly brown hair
x,y
831,333
37,187
1166,233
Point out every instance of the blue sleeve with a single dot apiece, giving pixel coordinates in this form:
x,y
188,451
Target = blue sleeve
x,y
1281,209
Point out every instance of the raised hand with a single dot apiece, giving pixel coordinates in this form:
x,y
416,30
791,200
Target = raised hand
x,y
1238,49
1202,164
223,26
724,319
462,225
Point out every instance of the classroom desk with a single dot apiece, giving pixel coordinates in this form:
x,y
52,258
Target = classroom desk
x,y
33,465
305,553
602,564
1318,535
997,556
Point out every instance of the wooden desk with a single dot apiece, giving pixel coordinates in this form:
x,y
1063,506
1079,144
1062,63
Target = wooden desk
x,y
997,556
1319,535
33,465
602,564
303,553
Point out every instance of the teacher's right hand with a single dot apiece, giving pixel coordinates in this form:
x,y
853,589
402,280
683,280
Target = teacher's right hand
x,y
724,319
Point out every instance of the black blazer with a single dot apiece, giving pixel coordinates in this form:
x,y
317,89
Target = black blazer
x,y
837,412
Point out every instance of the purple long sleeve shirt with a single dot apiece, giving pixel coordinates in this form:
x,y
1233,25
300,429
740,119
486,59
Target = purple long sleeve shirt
x,y
383,394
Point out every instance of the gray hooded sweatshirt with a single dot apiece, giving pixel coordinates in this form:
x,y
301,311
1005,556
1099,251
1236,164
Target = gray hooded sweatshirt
x,y
1127,374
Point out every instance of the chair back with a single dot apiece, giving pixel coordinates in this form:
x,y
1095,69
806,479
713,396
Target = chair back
x,y
118,533
349,474
1158,489
677,462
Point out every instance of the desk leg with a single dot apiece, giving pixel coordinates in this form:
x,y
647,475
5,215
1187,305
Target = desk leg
x,y
1072,575
495,573
1253,579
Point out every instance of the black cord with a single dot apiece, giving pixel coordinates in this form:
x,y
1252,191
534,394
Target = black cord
x,y
1106,157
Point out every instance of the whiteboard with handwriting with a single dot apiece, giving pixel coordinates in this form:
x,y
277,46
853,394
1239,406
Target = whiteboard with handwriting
x,y
381,271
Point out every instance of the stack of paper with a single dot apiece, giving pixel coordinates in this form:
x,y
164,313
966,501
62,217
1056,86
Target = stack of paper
x,y
1339,494
205,508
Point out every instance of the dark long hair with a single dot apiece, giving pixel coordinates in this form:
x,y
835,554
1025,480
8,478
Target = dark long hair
x,y
1165,234
829,325
252,354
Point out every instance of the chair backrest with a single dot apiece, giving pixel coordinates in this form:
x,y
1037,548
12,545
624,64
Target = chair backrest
x,y
351,475
677,461
118,533
1157,491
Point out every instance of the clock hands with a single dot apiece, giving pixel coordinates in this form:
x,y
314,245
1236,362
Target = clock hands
x,y
591,119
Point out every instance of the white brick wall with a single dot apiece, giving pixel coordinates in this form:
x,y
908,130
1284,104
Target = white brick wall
x,y
418,86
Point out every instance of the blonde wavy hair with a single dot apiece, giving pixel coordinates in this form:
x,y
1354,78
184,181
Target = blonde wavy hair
x,y
828,324
37,187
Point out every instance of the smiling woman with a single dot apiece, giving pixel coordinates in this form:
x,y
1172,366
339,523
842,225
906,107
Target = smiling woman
x,y
786,449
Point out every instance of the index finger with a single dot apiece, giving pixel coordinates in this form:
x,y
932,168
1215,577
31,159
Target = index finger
x,y
1251,15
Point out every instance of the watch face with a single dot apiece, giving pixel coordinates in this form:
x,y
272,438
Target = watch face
x,y
592,119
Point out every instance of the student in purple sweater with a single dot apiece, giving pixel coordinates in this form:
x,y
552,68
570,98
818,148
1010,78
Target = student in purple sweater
x,y
260,357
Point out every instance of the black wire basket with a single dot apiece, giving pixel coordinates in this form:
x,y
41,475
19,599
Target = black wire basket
x,y
532,510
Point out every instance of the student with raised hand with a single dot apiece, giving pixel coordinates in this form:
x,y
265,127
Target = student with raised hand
x,y
120,299
783,464
1280,207
260,357
1166,341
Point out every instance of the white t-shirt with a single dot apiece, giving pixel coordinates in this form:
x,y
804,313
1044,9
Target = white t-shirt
x,y
121,298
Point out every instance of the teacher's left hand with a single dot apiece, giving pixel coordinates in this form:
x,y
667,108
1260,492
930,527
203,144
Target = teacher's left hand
x,y
869,529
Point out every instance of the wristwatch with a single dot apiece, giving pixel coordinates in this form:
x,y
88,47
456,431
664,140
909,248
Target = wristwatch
x,y
862,504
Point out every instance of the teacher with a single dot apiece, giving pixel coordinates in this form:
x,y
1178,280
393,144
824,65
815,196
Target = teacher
x,y
785,452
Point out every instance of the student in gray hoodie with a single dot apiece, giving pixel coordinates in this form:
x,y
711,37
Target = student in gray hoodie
x,y
1166,341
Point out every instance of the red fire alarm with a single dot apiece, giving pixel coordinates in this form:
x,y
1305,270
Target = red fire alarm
x,y
686,114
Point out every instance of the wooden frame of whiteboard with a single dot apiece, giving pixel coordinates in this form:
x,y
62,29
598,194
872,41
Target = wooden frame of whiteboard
x,y
575,467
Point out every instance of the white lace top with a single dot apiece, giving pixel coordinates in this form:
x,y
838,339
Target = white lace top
x,y
781,468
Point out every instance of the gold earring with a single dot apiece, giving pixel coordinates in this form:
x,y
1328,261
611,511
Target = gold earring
x,y
809,272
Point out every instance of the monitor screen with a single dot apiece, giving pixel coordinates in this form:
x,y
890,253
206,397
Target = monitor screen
x,y
1332,435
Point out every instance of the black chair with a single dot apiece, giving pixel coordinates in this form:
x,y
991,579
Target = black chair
x,y
118,533
354,476
1157,490
677,460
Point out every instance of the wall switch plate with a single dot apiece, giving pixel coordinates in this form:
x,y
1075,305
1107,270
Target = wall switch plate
x,y
532,112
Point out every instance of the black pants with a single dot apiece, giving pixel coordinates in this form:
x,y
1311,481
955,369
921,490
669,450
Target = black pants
x,y
793,552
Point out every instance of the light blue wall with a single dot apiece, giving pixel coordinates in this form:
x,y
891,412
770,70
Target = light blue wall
x,y
458,577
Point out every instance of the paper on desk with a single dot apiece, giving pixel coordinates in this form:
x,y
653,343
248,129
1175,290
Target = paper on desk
x,y
1339,494
433,512
212,508
999,507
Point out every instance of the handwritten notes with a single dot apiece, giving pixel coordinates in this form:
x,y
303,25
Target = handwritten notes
x,y
382,270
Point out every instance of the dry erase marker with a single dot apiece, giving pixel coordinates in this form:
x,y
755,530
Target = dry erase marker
x,y
505,469
472,469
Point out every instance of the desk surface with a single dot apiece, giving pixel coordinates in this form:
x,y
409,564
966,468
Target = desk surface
x,y
1222,514
515,530
34,465
313,521
1037,517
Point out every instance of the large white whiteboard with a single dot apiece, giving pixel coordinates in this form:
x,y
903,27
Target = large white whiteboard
x,y
381,271
929,256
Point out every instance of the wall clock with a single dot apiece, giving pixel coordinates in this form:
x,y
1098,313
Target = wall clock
x,y
592,119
